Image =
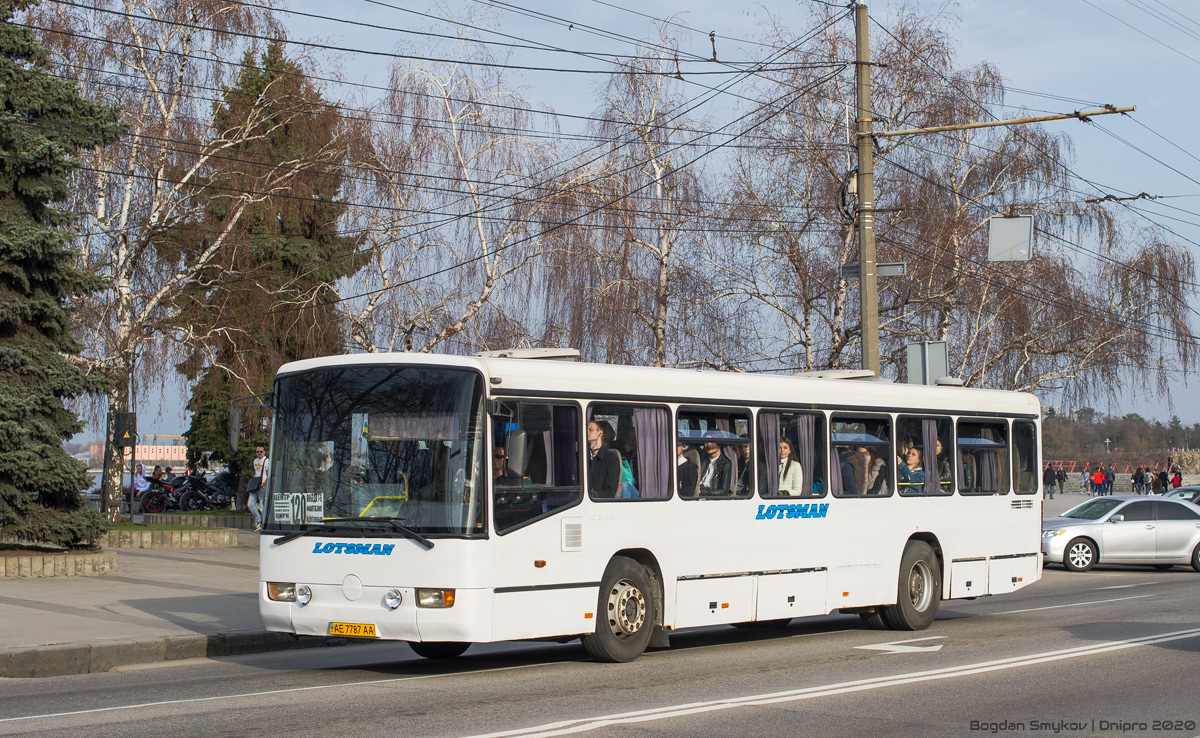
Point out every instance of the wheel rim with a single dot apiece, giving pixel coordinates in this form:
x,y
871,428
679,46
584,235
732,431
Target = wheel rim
x,y
626,609
920,586
1080,555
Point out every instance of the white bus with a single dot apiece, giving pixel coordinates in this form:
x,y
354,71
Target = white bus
x,y
446,500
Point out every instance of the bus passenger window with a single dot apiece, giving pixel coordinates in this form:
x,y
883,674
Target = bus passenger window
x,y
535,461
793,446
1025,476
860,450
718,443
629,452
918,471
983,457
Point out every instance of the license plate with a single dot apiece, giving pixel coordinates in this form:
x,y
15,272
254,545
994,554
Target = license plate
x,y
356,630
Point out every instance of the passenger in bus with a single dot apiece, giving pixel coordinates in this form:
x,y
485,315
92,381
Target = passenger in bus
x,y
716,471
627,450
943,467
604,463
791,476
911,473
687,471
744,484
875,479
849,485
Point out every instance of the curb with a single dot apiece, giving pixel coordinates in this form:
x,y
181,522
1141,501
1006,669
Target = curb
x,y
57,565
216,538
66,660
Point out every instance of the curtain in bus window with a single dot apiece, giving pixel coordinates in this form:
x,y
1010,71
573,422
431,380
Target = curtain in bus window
x,y
653,425
989,481
566,459
728,452
768,433
929,437
837,462
806,436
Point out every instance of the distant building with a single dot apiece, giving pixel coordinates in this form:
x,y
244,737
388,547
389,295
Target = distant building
x,y
151,454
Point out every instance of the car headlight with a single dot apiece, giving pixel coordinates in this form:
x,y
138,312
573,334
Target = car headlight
x,y
435,598
393,598
282,591
303,595
1052,533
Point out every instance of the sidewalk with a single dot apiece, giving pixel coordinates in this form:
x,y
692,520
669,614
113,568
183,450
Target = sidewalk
x,y
161,605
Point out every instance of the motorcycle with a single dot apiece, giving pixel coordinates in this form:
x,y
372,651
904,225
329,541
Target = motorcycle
x,y
200,494
160,497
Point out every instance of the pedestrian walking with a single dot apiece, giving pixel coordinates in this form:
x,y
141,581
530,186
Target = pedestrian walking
x,y
1048,480
256,486
1061,477
1110,476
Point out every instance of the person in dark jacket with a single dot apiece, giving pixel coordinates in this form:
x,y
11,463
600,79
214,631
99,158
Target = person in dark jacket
x,y
716,472
1049,477
686,471
604,464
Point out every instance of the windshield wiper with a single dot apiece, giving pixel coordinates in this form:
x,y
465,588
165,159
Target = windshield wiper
x,y
395,525
306,532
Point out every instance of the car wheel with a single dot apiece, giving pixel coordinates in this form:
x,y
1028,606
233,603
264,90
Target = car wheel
x,y
918,591
1196,557
625,617
1080,555
439,649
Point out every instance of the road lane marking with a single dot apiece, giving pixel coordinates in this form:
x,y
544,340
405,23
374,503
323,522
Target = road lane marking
x,y
1073,604
580,725
280,691
901,647
1128,586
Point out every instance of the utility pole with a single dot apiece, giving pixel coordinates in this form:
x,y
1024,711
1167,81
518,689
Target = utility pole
x,y
865,215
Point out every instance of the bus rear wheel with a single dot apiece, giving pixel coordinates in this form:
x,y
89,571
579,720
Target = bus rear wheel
x,y
438,649
918,590
626,616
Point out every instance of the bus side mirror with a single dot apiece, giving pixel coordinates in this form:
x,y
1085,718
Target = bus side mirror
x,y
235,428
514,465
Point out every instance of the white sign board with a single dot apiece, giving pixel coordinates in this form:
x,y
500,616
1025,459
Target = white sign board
x,y
294,508
1010,239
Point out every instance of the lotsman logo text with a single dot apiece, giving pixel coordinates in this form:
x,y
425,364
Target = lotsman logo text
x,y
779,512
369,549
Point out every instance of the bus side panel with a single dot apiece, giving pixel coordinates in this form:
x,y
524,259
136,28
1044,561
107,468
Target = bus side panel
x,y
791,595
862,585
1007,574
714,601
968,578
545,613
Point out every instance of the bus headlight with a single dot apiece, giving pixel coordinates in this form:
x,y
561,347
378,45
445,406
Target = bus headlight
x,y
282,591
435,598
303,595
393,598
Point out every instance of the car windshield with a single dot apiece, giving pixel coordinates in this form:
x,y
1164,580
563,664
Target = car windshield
x,y
1092,509
383,443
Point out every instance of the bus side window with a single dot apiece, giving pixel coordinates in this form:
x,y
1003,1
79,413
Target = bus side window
x,y
535,461
861,461
791,454
928,470
722,441
642,443
1026,477
983,457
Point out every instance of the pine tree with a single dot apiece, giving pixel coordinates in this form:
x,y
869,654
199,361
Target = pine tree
x,y
268,297
44,123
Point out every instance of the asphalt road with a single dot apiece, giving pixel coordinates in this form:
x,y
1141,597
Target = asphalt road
x,y
1105,653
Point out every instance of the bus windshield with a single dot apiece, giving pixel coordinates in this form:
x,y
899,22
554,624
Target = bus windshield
x,y
379,443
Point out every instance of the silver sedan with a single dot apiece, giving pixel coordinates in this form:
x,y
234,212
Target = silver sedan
x,y
1124,529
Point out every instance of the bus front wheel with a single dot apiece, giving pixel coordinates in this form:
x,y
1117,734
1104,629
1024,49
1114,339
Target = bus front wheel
x,y
438,649
919,589
625,617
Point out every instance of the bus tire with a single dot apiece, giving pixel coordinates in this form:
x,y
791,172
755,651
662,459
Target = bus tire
x,y
1080,555
918,590
873,620
625,614
438,649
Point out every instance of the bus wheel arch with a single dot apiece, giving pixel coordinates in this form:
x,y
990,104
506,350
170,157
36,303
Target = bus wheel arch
x,y
918,587
628,609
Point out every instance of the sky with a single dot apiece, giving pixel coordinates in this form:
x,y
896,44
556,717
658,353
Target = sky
x,y
1124,52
